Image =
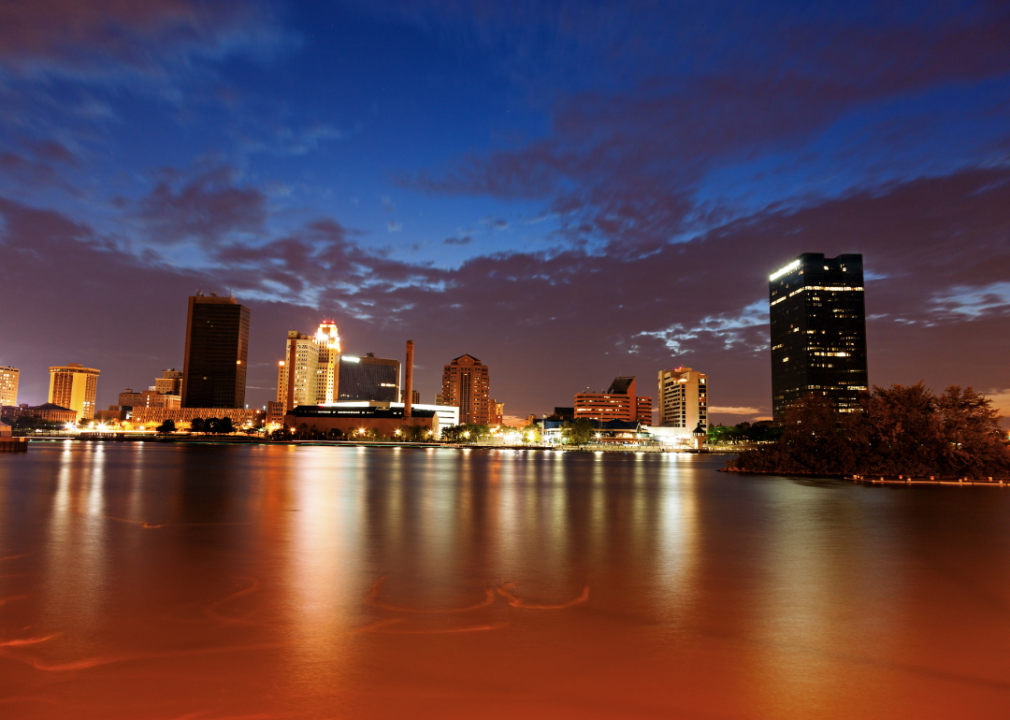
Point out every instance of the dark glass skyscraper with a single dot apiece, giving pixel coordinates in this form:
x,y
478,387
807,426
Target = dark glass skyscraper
x,y
818,331
368,378
217,348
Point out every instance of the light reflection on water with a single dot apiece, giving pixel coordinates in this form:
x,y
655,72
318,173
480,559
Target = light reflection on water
x,y
168,581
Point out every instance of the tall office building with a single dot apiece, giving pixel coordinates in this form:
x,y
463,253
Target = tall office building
x,y
217,349
297,373
467,385
818,331
328,366
9,385
74,387
368,378
619,402
683,398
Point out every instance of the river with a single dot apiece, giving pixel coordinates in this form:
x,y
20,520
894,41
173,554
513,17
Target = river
x,y
171,581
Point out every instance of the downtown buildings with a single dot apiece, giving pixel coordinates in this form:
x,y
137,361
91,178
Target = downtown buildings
x,y
818,331
74,387
619,402
683,399
466,384
9,385
216,356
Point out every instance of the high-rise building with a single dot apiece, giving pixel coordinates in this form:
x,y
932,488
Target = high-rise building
x,y
74,387
298,372
619,402
328,365
467,385
497,412
170,382
9,385
818,331
368,379
683,398
217,349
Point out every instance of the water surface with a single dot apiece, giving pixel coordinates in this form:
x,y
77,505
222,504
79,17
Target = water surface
x,y
173,581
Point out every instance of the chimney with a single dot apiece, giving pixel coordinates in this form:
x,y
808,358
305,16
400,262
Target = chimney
x,y
408,380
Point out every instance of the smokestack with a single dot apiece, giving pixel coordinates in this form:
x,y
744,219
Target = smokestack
x,y
408,380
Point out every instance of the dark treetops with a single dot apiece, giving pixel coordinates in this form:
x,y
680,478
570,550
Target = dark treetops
x,y
901,430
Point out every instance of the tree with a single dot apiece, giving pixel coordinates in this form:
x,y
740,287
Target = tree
x,y
197,425
167,427
578,431
224,426
531,432
413,433
901,430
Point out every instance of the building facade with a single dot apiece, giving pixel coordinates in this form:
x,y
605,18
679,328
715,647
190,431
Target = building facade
x,y
150,418
466,384
47,412
328,363
368,379
148,398
818,331
683,398
217,350
297,374
74,387
9,385
619,402
170,382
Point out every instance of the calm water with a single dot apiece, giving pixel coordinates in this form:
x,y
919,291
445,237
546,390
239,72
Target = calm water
x,y
165,581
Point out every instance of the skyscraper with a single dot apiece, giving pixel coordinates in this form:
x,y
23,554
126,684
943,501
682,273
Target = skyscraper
x,y
467,385
683,398
328,365
217,349
9,385
74,387
298,374
818,331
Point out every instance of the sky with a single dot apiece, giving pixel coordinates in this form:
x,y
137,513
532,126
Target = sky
x,y
567,190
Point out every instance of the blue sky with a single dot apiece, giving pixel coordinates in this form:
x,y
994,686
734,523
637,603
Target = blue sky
x,y
566,190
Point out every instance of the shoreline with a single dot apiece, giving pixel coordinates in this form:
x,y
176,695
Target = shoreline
x,y
885,479
245,440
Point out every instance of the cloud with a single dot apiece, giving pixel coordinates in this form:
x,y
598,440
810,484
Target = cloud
x,y
595,315
393,226
719,410
733,126
464,240
102,38
205,206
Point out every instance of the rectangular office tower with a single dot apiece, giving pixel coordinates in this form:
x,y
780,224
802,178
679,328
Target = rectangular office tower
x,y
9,385
217,348
818,331
368,379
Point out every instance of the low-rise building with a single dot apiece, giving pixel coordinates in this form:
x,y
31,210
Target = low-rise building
x,y
618,402
145,417
384,418
47,412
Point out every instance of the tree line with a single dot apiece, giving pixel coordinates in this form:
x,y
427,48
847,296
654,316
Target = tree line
x,y
901,430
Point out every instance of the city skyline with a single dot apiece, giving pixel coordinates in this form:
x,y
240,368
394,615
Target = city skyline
x,y
466,187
